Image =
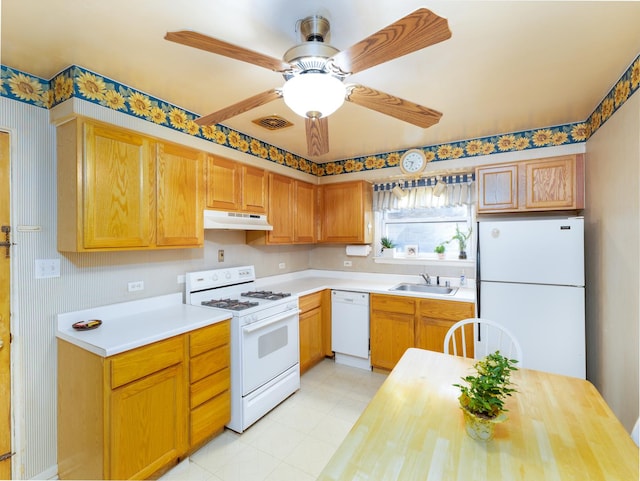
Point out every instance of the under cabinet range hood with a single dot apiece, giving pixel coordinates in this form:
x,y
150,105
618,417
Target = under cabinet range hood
x,y
216,219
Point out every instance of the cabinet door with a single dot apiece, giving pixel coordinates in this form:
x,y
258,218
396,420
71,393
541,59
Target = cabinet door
x,y
180,196
281,195
435,319
305,212
550,184
497,188
254,188
147,429
310,338
391,336
224,190
346,213
118,189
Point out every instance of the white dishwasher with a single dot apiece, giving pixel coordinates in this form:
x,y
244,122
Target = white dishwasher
x,y
350,328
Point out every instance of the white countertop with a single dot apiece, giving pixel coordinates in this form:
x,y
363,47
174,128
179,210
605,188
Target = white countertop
x,y
313,280
133,324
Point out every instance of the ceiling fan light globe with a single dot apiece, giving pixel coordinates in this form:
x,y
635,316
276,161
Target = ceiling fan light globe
x,y
314,94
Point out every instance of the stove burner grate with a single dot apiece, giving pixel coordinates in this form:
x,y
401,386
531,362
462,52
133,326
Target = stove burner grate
x,y
230,304
268,295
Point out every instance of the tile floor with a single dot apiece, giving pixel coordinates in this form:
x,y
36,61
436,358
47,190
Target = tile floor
x,y
294,441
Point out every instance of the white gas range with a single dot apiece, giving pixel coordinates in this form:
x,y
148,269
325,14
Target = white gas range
x,y
265,358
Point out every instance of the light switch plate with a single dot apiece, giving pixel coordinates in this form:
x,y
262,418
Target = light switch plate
x,y
46,268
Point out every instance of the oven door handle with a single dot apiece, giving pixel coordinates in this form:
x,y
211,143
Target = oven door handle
x,y
267,322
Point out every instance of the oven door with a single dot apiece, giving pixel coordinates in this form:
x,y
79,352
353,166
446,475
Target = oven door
x,y
269,347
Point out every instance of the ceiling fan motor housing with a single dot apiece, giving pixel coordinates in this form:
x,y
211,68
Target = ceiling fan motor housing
x,y
314,28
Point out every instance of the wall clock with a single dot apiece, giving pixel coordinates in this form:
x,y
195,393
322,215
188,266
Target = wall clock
x,y
413,161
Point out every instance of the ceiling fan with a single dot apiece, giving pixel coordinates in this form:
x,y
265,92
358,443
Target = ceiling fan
x,y
314,72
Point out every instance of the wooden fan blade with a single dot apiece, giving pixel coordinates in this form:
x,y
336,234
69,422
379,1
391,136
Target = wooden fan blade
x,y
394,106
317,135
413,32
210,44
240,107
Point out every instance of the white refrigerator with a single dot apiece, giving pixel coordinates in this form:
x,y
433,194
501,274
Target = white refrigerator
x,y
531,279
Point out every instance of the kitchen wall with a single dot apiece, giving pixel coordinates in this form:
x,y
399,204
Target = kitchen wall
x,y
100,278
612,225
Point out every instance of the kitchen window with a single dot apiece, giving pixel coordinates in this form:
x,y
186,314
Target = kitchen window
x,y
419,215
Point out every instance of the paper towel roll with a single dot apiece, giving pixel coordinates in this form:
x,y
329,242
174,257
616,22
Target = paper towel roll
x,y
361,251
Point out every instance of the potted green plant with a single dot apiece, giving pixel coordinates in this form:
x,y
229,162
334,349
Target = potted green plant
x,y
388,247
482,400
440,250
462,241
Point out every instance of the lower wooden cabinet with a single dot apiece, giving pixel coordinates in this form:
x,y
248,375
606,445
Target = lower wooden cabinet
x,y
134,414
392,326
209,378
434,320
313,329
399,322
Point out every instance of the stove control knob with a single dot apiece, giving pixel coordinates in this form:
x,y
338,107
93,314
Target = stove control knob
x,y
227,275
215,277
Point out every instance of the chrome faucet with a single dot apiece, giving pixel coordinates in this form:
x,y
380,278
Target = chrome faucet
x,y
426,278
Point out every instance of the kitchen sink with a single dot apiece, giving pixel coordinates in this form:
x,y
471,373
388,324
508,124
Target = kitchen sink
x,y
425,288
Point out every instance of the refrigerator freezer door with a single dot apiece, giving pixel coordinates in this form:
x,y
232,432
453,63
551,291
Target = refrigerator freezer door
x,y
540,251
548,321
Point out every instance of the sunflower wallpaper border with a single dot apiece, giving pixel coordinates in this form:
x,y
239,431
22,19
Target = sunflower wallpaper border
x,y
78,82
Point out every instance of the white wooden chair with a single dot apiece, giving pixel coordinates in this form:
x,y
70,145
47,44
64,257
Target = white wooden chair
x,y
493,337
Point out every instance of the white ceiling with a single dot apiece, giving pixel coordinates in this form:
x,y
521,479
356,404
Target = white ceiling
x,y
509,65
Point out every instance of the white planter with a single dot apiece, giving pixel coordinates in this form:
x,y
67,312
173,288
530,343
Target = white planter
x,y
388,252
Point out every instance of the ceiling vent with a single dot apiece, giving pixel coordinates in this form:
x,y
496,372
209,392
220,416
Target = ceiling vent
x,y
273,122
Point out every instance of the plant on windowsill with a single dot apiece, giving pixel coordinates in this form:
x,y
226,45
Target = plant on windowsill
x,y
462,241
388,247
440,250
482,401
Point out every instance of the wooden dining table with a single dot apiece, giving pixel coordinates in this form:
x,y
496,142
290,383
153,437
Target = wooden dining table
x,y
558,428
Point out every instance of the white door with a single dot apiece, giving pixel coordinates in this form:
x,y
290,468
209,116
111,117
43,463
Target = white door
x,y
548,322
541,251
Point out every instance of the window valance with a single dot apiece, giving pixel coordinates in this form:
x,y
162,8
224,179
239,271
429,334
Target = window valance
x,y
425,193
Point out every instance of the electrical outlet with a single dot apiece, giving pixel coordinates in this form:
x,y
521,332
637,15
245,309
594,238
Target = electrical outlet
x,y
348,263
47,268
220,255
135,286
282,265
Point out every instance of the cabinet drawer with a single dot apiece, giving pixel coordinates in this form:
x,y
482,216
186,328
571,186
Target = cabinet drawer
x,y
210,417
381,302
449,310
208,363
208,338
140,362
210,386
310,301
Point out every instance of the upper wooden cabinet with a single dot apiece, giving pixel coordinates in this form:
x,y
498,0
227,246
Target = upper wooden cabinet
x,y
119,190
292,213
236,187
179,209
555,183
346,213
305,218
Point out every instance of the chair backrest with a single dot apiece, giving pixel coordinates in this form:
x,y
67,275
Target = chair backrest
x,y
492,337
